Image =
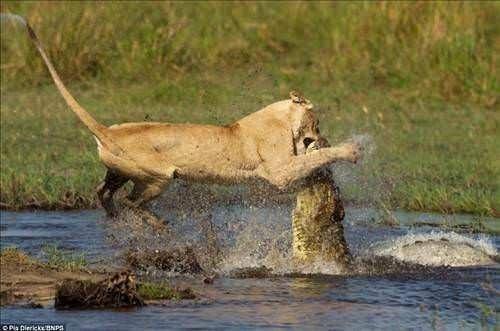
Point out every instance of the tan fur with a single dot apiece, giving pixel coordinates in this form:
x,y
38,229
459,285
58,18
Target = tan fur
x,y
268,145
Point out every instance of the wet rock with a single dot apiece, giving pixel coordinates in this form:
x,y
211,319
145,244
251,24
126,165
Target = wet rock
x,y
119,290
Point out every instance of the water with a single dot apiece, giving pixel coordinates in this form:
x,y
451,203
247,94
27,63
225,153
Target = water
x,y
455,299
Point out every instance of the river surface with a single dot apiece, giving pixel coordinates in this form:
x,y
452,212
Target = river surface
x,y
456,299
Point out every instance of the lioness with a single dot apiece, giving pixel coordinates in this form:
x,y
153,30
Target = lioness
x,y
268,145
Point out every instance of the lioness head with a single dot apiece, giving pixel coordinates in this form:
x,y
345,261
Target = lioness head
x,y
305,125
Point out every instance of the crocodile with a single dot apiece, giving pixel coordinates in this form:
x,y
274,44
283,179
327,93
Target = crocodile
x,y
318,233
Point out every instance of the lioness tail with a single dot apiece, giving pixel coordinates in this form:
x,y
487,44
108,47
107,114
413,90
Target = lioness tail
x,y
96,128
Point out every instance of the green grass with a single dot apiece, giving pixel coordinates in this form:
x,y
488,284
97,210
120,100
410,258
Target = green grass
x,y
162,291
63,260
420,78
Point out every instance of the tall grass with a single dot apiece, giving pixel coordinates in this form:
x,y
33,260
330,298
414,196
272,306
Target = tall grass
x,y
447,49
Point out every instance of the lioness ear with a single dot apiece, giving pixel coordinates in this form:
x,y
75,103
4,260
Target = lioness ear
x,y
298,98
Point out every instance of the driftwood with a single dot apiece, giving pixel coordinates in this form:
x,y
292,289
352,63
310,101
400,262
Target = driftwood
x,y
318,233
119,290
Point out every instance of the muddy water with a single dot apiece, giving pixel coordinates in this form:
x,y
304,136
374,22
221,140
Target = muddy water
x,y
251,236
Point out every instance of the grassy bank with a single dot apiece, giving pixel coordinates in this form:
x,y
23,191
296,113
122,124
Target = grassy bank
x,y
420,79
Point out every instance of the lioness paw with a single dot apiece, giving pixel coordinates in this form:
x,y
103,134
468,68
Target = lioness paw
x,y
351,151
356,152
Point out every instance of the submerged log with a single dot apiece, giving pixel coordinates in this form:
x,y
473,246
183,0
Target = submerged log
x,y
318,233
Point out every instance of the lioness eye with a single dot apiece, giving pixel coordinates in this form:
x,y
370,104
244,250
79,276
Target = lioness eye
x,y
307,142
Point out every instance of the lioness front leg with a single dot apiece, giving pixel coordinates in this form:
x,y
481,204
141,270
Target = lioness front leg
x,y
286,173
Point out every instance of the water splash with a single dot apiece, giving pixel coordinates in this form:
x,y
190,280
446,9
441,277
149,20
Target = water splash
x,y
361,183
230,237
439,249
346,172
261,239
367,144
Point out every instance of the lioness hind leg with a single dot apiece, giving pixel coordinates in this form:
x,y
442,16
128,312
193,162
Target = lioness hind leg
x,y
111,183
143,193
